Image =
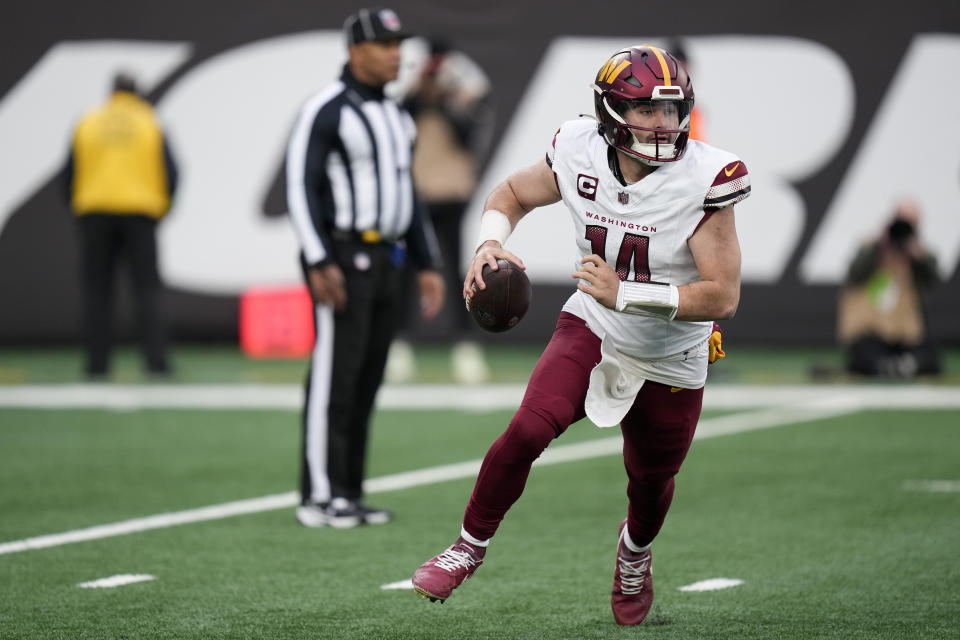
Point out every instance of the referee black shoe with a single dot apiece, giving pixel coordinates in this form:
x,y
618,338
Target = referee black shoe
x,y
339,513
374,515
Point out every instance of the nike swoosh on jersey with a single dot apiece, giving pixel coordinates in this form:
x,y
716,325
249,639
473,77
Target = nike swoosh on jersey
x,y
729,172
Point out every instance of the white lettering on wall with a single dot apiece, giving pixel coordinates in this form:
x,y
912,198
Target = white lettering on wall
x,y
231,117
912,150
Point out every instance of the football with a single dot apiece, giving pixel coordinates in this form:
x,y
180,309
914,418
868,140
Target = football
x,y
505,300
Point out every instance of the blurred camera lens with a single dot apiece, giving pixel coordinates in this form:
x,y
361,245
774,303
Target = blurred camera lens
x,y
900,231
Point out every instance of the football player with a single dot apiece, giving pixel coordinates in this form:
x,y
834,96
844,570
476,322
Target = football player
x,y
660,262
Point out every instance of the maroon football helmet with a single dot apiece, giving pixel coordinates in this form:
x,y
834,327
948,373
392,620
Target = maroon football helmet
x,y
651,79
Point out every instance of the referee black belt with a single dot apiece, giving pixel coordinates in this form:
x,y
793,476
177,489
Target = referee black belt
x,y
370,236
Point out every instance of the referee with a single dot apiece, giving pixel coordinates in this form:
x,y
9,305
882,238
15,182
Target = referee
x,y
351,198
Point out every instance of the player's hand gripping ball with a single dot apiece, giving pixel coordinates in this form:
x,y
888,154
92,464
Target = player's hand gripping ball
x,y
505,300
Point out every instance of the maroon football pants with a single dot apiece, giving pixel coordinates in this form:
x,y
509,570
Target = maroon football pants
x,y
657,432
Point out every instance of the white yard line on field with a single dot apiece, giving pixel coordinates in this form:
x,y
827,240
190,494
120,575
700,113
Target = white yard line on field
x,y
708,428
932,486
399,585
442,396
713,584
246,396
116,581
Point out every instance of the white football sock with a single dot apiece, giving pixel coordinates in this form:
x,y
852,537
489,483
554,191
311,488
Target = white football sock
x,y
631,544
469,538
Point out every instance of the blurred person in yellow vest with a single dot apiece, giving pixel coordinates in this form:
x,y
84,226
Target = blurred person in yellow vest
x,y
881,321
120,178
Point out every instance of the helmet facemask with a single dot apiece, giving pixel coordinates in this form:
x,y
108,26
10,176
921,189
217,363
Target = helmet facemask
x,y
668,116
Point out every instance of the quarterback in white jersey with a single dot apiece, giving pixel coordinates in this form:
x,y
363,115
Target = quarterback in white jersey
x,y
642,231
660,261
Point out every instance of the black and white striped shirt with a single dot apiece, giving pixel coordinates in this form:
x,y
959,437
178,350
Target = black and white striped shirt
x,y
349,164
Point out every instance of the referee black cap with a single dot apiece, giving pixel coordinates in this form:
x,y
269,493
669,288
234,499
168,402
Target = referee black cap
x,y
373,25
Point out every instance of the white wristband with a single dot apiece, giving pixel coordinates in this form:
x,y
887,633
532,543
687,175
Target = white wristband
x,y
494,225
646,299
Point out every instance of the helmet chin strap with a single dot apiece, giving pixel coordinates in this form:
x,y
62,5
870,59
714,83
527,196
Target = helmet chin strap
x,y
651,150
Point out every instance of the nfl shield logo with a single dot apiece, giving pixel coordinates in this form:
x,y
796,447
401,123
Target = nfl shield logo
x,y
390,20
623,197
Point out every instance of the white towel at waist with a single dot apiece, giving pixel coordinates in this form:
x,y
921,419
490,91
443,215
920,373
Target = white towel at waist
x,y
618,378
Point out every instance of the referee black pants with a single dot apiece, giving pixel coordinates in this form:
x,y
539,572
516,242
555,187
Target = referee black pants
x,y
105,241
346,369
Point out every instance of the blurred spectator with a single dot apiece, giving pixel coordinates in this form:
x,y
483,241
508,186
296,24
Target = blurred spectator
x,y
449,98
120,178
881,320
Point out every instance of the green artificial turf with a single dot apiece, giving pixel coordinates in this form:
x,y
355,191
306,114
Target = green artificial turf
x,y
204,363
815,518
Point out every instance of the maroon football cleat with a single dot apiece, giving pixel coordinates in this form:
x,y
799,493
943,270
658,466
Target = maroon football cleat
x,y
632,584
438,577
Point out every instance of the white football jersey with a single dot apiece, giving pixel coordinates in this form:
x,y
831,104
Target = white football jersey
x,y
641,230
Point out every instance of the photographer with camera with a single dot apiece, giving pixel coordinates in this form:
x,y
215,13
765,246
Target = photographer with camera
x,y
881,320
